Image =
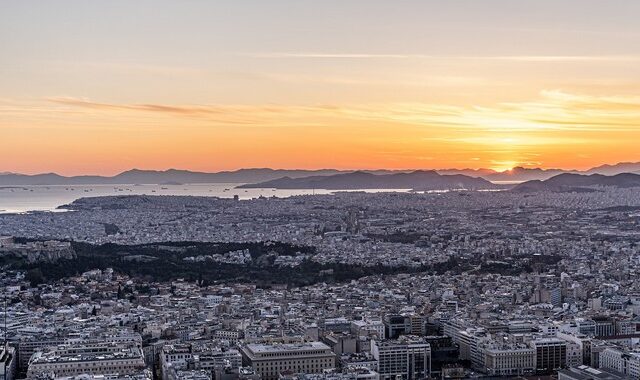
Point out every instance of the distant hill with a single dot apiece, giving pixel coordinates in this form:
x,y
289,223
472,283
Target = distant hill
x,y
238,176
417,180
478,173
578,182
622,167
520,174
13,179
137,176
523,174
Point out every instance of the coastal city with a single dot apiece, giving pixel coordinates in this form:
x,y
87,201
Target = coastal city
x,y
320,190
441,285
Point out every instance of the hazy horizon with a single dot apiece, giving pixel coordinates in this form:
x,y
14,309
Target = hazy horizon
x,y
311,169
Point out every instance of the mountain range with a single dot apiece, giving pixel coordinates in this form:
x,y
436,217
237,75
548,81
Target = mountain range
x,y
416,180
172,176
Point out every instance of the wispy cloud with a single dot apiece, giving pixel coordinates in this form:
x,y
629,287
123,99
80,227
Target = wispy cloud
x,y
529,132
423,81
554,110
162,108
562,58
513,58
337,55
222,115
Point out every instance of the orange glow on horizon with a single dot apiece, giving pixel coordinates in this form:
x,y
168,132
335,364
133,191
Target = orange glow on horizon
x,y
557,130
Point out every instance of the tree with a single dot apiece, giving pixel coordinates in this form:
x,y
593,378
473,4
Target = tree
x,y
35,277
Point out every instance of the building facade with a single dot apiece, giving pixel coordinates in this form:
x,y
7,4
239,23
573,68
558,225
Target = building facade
x,y
408,358
95,359
270,360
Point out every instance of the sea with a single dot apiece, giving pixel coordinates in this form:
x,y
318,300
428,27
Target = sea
x,y
23,199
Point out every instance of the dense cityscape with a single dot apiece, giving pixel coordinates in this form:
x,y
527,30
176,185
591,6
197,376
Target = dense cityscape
x,y
459,284
320,190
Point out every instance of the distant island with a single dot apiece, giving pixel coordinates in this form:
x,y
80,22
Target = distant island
x,y
157,177
417,180
431,180
579,183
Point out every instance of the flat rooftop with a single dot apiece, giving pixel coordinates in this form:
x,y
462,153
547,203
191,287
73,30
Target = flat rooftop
x,y
267,348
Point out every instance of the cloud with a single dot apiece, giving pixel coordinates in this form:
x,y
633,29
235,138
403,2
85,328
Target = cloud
x,y
172,109
248,115
562,58
403,81
554,110
336,55
512,58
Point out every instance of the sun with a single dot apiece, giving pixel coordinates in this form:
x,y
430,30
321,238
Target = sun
x,y
504,166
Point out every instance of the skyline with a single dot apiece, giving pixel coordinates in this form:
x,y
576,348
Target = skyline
x,y
618,166
100,88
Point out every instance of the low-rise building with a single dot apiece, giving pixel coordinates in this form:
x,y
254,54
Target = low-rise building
x,y
96,359
269,360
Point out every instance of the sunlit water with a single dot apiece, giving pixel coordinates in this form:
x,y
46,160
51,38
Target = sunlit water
x,y
20,199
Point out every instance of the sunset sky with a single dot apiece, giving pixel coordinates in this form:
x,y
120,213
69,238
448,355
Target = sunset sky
x,y
104,86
